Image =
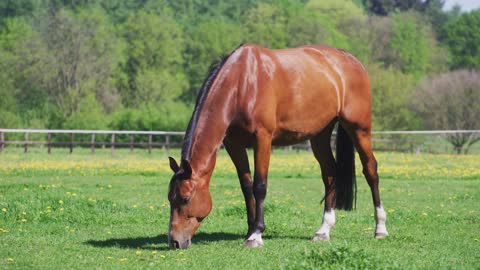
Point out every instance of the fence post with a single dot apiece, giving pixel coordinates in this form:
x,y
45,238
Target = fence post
x,y
2,141
131,143
149,143
113,143
71,143
92,144
26,142
167,143
49,143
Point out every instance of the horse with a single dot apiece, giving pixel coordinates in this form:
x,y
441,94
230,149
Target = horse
x,y
258,97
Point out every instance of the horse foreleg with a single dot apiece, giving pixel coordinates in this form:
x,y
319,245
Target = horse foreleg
x,y
323,153
239,156
262,151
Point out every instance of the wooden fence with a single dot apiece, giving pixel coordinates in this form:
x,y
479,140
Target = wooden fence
x,y
432,141
113,143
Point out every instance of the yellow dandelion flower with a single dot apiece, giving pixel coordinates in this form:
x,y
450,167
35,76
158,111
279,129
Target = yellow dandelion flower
x,y
109,186
138,252
123,259
154,252
2,230
135,206
391,210
60,201
24,220
24,213
163,256
152,207
61,209
424,214
109,232
4,210
109,258
9,259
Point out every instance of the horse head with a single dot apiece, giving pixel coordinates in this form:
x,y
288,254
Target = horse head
x,y
190,203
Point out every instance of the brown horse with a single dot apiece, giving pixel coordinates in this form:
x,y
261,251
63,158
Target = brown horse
x,y
256,97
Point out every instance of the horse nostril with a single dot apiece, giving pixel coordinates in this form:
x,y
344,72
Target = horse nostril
x,y
174,244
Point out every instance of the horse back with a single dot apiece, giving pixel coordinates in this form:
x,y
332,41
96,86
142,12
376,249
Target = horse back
x,y
296,92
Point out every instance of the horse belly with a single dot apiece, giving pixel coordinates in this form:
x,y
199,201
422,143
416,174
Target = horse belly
x,y
285,137
300,118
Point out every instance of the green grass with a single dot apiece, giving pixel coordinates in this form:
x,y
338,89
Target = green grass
x,y
81,218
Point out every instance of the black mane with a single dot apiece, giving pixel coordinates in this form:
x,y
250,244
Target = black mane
x,y
202,95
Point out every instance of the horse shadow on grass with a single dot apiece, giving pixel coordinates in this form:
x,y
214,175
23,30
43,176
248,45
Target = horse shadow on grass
x,y
160,242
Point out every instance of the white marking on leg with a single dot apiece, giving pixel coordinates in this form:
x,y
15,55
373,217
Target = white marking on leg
x,y
380,220
327,224
255,240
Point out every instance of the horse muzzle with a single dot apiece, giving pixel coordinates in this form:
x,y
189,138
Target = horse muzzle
x,y
175,244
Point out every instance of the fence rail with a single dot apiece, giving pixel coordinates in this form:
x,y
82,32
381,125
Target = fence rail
x,y
93,143
383,140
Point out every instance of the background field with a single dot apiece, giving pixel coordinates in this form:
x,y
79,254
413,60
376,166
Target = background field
x,y
80,211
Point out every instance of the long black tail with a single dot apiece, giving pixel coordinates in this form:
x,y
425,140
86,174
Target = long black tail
x,y
345,183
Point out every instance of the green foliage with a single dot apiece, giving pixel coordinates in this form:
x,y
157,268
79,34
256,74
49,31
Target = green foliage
x,y
9,120
128,55
410,44
462,36
154,56
89,115
208,41
170,116
391,99
388,7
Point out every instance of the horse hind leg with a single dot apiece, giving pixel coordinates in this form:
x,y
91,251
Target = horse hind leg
x,y
362,141
323,153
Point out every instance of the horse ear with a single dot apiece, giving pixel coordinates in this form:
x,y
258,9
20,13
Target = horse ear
x,y
186,168
173,165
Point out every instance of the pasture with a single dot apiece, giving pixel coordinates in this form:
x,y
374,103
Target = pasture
x,y
79,211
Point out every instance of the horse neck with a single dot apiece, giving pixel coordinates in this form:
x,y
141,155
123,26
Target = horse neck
x,y
215,117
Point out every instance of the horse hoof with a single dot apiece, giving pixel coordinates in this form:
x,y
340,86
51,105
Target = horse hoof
x,y
253,243
321,237
381,235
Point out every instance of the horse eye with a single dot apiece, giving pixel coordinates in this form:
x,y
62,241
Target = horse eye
x,y
186,200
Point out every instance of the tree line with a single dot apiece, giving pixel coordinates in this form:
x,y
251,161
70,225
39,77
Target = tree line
x,y
138,64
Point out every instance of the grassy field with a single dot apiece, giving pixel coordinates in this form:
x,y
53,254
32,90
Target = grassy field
x,y
102,212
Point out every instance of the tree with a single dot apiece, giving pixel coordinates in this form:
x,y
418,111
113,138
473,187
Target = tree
x,y
462,36
20,93
208,41
451,101
152,71
387,7
266,26
391,91
409,41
